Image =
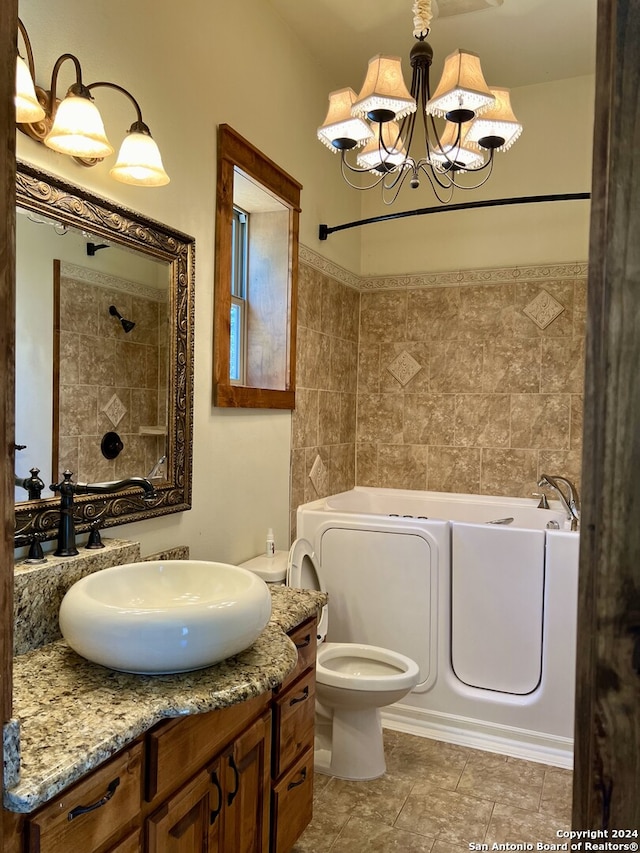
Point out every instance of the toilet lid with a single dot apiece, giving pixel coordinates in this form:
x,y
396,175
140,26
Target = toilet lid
x,y
303,573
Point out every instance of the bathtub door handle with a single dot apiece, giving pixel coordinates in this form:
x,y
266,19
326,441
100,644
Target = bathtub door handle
x,y
305,642
303,698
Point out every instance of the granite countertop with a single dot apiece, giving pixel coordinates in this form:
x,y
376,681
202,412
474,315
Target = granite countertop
x,y
74,714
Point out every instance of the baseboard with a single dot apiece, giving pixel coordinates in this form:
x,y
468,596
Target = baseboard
x,y
505,740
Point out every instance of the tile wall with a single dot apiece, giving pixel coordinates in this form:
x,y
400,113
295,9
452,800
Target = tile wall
x,y
110,381
463,382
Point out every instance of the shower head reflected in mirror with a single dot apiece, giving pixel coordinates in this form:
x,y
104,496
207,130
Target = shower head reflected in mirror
x,y
127,325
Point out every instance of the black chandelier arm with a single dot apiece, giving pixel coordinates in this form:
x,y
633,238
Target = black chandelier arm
x,y
344,163
464,186
436,184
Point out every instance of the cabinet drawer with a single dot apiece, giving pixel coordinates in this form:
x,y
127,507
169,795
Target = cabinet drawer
x,y
179,748
292,804
93,810
305,639
131,844
294,713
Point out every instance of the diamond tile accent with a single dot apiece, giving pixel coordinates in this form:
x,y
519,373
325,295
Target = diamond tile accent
x,y
115,410
543,310
318,475
404,367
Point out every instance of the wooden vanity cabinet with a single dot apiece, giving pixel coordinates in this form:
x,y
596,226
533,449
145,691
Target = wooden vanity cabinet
x,y
236,780
293,735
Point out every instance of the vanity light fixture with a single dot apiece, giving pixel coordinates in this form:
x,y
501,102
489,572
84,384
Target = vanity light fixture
x,y
478,121
73,126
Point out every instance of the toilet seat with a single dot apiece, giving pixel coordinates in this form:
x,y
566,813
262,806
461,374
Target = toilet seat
x,y
302,573
357,666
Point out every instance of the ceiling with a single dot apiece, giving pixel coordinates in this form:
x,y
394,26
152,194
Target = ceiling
x,y
520,42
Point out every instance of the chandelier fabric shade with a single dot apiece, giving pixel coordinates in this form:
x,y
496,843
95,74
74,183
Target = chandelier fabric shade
x,y
384,91
479,121
384,151
498,121
461,87
340,128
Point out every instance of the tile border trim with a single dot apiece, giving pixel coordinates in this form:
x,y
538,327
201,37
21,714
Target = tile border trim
x,y
452,278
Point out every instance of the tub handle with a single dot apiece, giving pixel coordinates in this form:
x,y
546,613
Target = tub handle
x,y
501,520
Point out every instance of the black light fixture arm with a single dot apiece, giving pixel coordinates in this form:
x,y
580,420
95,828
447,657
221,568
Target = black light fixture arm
x,y
27,46
138,126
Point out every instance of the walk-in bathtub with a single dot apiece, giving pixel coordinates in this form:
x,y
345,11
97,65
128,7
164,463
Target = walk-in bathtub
x,y
488,610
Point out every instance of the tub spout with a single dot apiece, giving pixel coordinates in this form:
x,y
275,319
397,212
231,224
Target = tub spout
x,y
569,499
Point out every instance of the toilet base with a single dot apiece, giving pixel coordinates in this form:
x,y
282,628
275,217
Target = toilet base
x,y
356,748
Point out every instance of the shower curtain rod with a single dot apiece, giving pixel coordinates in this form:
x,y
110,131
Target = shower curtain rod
x,y
325,230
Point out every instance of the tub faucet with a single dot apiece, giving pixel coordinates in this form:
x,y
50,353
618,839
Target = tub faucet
x,y
66,529
569,500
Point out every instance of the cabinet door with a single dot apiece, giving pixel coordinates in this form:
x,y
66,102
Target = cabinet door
x,y
131,844
292,804
189,821
247,784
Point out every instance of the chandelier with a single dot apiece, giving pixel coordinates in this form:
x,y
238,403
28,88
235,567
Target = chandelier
x,y
463,122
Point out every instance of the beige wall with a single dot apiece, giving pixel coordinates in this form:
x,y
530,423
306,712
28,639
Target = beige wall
x,y
202,64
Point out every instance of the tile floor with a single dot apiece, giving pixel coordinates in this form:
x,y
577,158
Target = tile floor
x,y
439,798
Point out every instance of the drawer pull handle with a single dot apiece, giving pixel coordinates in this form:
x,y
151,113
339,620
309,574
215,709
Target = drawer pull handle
x,y
296,699
232,794
215,812
305,642
80,810
303,776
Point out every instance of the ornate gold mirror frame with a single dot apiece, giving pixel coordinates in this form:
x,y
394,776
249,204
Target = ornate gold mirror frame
x,y
75,207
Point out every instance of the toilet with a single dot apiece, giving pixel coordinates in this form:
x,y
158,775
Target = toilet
x,y
353,680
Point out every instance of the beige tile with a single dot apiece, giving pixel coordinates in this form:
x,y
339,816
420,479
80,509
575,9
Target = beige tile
x,y
444,815
313,360
309,298
359,835
454,469
350,313
383,316
579,307
577,421
557,792
144,408
69,366
129,366
92,466
540,421
311,493
341,468
367,464
509,472
455,367
426,759
105,424
298,477
379,418
380,799
321,832
305,419
567,463
332,302
486,311
79,311
402,466
511,366
518,826
347,418
429,419
98,363
432,313
369,368
504,780
328,417
562,365
482,420
450,847
78,410
343,365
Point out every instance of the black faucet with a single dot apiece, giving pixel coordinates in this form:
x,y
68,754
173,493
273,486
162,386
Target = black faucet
x,y
32,484
66,529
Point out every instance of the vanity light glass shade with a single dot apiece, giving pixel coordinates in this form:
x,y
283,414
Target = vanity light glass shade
x,y
373,155
384,89
462,86
498,120
455,150
78,129
340,124
28,110
139,162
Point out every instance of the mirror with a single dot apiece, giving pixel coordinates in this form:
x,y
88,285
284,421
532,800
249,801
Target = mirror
x,y
257,220
104,354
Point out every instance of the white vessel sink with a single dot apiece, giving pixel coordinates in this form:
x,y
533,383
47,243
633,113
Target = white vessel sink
x,y
164,616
